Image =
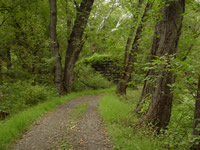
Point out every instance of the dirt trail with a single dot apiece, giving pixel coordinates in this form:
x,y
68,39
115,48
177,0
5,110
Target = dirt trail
x,y
56,131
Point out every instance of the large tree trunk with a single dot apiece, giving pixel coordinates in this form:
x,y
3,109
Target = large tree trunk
x,y
129,58
75,43
165,43
55,47
196,130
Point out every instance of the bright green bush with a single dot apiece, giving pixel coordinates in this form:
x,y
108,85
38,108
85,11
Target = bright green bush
x,y
178,136
100,58
20,95
35,94
86,78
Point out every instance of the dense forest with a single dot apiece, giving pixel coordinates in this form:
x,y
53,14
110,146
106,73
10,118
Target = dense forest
x,y
146,50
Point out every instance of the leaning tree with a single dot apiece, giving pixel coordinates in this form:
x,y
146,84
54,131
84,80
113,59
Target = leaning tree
x,y
76,42
165,41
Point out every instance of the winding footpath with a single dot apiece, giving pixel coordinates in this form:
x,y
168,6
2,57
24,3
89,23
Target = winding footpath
x,y
58,131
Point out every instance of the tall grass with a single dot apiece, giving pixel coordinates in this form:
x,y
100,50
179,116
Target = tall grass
x,y
119,119
14,127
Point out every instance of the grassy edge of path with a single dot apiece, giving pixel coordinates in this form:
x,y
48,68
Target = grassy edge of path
x,y
119,117
14,127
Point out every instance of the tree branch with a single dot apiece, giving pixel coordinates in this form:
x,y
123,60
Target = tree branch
x,y
4,20
106,18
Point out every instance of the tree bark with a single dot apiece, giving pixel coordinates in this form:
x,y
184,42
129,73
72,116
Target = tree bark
x,y
196,130
129,58
165,43
1,78
75,43
55,47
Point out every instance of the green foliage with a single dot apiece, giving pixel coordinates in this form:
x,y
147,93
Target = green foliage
x,y
178,136
109,66
118,112
119,122
96,58
147,101
101,58
20,95
35,94
26,65
87,78
111,38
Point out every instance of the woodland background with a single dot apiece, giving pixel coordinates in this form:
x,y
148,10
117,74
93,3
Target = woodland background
x,y
48,50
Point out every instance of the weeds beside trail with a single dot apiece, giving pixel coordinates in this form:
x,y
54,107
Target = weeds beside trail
x,y
119,119
13,128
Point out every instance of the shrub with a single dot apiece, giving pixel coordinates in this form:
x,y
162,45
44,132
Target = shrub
x,y
22,94
87,78
110,66
35,94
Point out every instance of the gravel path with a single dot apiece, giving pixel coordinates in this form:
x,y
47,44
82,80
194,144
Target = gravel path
x,y
56,131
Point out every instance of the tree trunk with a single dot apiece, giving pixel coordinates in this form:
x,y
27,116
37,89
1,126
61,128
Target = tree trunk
x,y
76,42
55,47
196,130
128,46
1,78
129,58
165,43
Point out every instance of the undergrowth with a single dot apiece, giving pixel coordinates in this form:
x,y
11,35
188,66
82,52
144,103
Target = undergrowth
x,y
86,78
21,95
12,128
119,120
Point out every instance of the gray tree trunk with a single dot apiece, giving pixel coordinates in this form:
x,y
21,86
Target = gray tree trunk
x,y
1,78
165,43
75,43
55,47
196,130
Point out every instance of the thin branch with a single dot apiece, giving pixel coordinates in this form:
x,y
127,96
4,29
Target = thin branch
x,y
106,18
188,52
4,20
